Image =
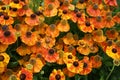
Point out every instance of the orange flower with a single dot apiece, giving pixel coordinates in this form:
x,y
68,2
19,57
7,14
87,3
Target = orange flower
x,y
68,39
63,26
29,38
112,34
25,74
23,50
8,35
111,2
16,4
113,52
36,63
60,60
75,66
32,20
93,10
3,8
98,36
13,12
6,20
96,61
116,18
48,41
6,1
3,47
50,55
68,73
86,27
108,21
57,75
87,66
50,11
97,1
77,16
94,48
59,44
68,57
52,31
82,4
70,48
98,22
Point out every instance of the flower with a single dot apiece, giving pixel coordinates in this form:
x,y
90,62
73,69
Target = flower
x,y
116,18
16,4
3,47
75,66
57,75
23,50
87,66
50,55
96,61
8,35
82,4
111,2
70,48
68,73
6,1
112,34
25,74
112,51
63,26
29,38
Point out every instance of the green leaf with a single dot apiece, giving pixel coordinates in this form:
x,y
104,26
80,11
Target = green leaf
x,y
35,77
12,64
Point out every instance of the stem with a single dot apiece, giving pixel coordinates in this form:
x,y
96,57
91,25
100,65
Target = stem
x,y
110,72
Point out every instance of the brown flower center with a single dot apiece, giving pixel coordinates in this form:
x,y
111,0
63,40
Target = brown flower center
x,y
50,6
1,13
78,15
109,42
51,51
69,56
1,58
25,7
32,61
22,76
87,23
5,27
114,50
14,9
57,77
16,1
38,44
85,65
76,64
118,14
7,33
33,16
6,17
95,6
76,10
28,34
38,13
81,1
109,18
64,11
3,8
99,18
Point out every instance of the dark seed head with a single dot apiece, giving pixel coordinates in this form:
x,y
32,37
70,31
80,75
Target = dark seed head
x,y
33,16
6,17
76,64
87,23
58,77
7,33
38,13
1,13
114,50
85,65
64,11
3,8
22,77
69,56
78,15
16,1
1,58
14,9
5,27
81,1
109,42
76,10
28,34
95,6
51,51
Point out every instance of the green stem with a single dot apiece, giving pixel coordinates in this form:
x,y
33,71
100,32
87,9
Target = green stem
x,y
110,72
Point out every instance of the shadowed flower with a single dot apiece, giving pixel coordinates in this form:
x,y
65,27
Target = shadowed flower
x,y
111,2
70,48
87,66
57,75
112,34
68,73
25,74
116,18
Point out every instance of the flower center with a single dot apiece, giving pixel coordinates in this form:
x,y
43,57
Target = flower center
x,y
22,76
81,1
28,34
85,65
6,17
76,64
33,16
47,40
1,13
32,61
52,0
58,77
14,9
38,44
109,18
99,18
109,42
3,8
64,11
50,6
87,23
78,15
76,10
95,6
25,7
38,13
118,14
1,58
69,56
51,51
16,1
5,27
7,33
114,50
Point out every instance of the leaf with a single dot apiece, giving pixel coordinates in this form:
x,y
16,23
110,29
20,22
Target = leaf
x,y
35,77
77,77
12,64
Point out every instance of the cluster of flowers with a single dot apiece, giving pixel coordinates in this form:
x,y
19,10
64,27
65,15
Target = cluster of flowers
x,y
39,41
